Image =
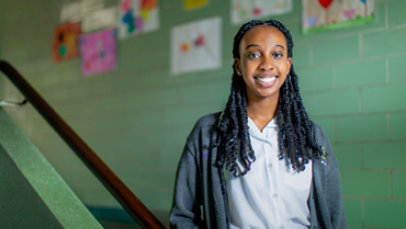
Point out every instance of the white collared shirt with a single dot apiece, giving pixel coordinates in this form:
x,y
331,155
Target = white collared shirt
x,y
271,194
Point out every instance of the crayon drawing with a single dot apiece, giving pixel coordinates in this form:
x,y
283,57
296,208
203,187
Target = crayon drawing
x,y
332,14
66,39
245,10
137,17
196,46
98,52
194,4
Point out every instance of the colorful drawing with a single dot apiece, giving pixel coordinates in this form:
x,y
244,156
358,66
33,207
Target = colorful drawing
x,y
66,41
100,19
332,14
245,10
196,46
194,4
137,17
98,52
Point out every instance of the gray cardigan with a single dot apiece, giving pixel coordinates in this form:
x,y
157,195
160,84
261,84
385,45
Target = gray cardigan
x,y
200,199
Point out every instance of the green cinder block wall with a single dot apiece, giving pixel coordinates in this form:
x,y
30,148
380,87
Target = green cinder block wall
x,y
137,117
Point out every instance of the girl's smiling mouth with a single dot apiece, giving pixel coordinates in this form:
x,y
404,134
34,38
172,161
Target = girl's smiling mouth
x,y
265,80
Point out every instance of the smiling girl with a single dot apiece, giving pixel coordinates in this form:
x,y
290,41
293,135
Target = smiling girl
x,y
261,163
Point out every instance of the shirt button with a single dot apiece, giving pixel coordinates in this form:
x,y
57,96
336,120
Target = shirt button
x,y
275,196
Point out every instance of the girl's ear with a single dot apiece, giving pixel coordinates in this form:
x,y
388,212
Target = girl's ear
x,y
237,66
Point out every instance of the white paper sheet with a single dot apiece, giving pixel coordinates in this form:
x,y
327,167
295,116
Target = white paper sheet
x,y
70,12
99,19
75,11
245,10
196,46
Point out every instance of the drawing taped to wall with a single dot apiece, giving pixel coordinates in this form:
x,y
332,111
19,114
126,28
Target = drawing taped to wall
x,y
245,10
137,17
98,52
75,11
194,4
196,46
66,39
99,19
332,14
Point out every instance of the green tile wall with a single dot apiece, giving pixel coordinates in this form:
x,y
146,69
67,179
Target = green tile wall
x,y
137,117
384,155
397,126
326,51
368,72
396,17
389,41
353,211
362,128
396,69
349,155
365,184
316,78
384,98
399,184
345,102
385,214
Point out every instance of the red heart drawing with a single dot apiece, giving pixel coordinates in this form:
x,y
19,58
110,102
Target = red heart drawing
x,y
325,3
200,41
256,11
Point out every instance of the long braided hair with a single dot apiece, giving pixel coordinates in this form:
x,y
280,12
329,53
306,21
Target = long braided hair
x,y
296,137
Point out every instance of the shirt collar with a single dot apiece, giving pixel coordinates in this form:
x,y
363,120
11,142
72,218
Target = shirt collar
x,y
255,132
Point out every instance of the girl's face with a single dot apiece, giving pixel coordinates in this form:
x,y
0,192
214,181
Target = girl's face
x,y
264,62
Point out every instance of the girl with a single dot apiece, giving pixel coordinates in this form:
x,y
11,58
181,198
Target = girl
x,y
261,163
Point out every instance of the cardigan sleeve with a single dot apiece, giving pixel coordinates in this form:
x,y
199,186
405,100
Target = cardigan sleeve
x,y
334,195
185,212
332,187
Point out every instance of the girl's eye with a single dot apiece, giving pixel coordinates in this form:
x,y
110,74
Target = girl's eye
x,y
253,55
278,55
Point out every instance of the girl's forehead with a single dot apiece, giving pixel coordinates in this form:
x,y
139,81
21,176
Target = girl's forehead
x,y
263,33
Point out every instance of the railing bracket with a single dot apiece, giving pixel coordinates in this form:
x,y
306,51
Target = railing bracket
x,y
12,104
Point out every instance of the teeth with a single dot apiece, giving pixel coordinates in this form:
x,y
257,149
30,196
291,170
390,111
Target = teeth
x,y
266,80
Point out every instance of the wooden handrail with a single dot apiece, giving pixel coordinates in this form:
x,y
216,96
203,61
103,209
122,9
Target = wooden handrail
x,y
116,187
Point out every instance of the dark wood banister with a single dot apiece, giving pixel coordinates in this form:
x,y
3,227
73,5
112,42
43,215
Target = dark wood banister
x,y
117,188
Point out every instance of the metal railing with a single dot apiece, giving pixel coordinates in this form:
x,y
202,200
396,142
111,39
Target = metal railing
x,y
116,187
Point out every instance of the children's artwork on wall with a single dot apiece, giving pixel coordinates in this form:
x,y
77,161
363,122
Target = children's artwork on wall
x,y
137,17
194,4
91,5
99,19
319,15
196,46
66,39
98,52
245,10
70,12
75,11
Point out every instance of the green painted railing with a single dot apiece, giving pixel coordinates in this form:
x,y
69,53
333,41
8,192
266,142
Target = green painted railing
x,y
116,187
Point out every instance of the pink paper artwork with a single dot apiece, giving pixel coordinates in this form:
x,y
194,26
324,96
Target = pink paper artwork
x,y
98,52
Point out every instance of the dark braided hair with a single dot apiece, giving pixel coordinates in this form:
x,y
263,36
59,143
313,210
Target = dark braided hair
x,y
296,137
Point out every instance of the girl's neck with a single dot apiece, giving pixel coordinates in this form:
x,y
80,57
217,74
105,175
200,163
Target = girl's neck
x,y
262,111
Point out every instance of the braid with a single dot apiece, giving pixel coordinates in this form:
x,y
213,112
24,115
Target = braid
x,y
296,137
235,137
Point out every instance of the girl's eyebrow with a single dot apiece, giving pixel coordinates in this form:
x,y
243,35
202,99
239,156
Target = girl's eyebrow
x,y
251,45
255,45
